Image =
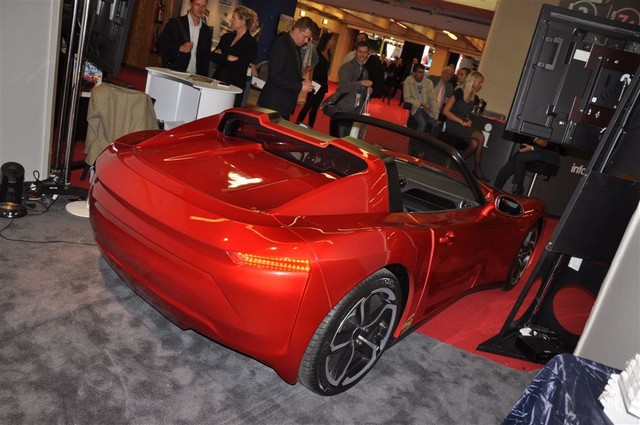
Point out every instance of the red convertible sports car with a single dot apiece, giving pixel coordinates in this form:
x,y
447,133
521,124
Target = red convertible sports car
x,y
310,253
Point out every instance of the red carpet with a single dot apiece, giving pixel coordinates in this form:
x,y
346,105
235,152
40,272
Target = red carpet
x,y
466,323
132,77
75,176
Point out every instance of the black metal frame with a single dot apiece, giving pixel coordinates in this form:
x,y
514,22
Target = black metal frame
x,y
590,229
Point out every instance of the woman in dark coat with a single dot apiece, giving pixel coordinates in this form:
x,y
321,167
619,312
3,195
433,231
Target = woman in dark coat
x,y
236,51
393,80
321,76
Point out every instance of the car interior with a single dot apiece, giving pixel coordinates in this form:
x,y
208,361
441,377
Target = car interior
x,y
436,183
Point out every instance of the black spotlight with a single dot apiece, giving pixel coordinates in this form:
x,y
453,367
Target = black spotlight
x,y
11,190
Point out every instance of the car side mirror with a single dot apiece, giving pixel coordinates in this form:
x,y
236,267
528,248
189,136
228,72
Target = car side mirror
x,y
509,205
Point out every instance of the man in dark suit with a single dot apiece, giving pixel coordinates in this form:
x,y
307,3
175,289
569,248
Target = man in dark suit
x,y
443,88
185,43
285,81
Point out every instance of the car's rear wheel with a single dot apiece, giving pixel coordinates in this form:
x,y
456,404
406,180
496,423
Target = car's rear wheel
x,y
353,336
523,257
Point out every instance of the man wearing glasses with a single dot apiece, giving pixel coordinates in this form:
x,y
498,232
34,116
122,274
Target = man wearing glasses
x,y
285,80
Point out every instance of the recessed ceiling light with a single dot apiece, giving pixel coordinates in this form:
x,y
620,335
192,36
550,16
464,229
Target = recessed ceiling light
x,y
450,34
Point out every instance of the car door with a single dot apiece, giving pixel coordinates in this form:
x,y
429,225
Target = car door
x,y
463,246
444,204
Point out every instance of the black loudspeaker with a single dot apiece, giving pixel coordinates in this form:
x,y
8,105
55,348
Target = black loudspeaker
x,y
12,190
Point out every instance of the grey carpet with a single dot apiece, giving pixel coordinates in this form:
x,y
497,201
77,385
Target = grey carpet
x,y
77,346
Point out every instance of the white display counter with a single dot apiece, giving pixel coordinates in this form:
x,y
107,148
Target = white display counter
x,y
181,97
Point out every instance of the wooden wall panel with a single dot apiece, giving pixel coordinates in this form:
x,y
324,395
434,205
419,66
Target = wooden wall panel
x,y
138,52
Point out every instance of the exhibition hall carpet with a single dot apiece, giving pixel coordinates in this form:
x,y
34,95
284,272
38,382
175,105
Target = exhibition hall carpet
x,y
80,347
469,321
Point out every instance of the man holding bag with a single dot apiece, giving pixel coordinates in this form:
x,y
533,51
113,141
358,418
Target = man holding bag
x,y
354,86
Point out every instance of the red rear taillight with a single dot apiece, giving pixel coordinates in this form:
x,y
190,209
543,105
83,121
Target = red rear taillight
x,y
272,263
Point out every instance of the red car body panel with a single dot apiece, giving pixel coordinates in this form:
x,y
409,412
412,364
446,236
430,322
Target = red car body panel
x,y
171,210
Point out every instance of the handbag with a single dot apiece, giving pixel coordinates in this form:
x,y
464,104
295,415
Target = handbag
x,y
358,130
329,105
363,108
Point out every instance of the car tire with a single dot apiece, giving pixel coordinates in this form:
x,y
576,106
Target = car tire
x,y
353,336
523,257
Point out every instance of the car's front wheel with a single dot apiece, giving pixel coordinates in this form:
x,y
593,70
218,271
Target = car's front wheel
x,y
353,336
523,257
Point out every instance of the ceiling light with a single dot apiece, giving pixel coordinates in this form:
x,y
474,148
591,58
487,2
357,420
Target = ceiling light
x,y
400,24
325,21
303,13
450,34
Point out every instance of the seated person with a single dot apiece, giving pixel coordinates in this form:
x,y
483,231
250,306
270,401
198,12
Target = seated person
x,y
461,76
538,150
458,124
443,87
418,91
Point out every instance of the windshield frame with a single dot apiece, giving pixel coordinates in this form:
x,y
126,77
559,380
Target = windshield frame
x,y
348,119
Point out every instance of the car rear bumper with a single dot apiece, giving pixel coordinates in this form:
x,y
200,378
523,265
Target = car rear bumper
x,y
249,309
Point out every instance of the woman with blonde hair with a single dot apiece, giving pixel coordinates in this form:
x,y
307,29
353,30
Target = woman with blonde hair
x,y
458,124
236,50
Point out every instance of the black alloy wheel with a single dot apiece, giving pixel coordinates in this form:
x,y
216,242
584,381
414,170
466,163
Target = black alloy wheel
x,y
353,336
523,257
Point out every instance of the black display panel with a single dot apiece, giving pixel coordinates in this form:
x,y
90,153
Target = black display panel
x,y
576,72
107,35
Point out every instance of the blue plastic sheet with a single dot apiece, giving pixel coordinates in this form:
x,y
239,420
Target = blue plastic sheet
x,y
565,391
